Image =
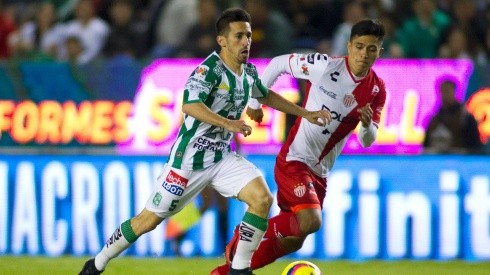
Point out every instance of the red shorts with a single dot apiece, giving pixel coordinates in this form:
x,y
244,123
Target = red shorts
x,y
297,187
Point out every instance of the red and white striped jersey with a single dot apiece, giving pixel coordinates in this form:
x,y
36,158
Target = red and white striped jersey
x,y
331,86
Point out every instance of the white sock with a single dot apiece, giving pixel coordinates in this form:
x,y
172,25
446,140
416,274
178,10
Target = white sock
x,y
120,240
251,230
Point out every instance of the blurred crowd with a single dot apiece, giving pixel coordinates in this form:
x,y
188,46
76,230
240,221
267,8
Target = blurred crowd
x,y
81,30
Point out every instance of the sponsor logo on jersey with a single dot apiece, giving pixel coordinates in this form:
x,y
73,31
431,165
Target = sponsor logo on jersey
x,y
174,178
304,69
175,183
206,144
338,116
239,94
375,90
234,108
223,86
327,92
201,71
196,84
173,189
300,190
349,100
311,188
221,95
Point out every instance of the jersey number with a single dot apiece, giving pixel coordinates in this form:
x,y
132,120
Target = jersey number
x,y
173,205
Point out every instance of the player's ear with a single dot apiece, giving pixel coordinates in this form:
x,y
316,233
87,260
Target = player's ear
x,y
221,40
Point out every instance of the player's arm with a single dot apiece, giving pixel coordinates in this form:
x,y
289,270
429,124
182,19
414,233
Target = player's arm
x,y
367,131
202,113
309,67
369,116
277,67
276,101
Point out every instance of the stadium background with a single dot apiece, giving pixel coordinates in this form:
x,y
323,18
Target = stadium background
x,y
80,145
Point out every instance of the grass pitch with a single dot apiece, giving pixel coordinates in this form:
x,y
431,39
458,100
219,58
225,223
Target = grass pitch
x,y
10,265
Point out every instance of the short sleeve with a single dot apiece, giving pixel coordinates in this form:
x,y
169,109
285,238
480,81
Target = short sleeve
x,y
258,88
308,66
199,85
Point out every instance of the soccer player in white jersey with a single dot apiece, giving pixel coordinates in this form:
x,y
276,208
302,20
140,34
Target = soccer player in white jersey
x,y
352,92
215,96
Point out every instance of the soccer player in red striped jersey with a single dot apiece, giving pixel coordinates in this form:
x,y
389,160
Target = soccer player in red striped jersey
x,y
351,91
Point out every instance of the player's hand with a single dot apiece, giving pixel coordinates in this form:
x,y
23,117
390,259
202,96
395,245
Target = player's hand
x,y
238,126
321,118
255,114
365,115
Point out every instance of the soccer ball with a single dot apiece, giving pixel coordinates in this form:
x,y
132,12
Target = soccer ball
x,y
301,268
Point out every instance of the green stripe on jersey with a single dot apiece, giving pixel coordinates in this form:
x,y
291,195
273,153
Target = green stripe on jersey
x,y
186,137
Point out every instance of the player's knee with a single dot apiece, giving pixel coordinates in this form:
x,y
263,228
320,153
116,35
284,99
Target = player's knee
x,y
263,201
313,226
310,225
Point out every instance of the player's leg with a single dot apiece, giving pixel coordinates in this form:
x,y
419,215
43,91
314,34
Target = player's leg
x,y
241,179
125,235
171,192
300,195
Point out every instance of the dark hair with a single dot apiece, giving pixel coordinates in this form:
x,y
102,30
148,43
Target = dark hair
x,y
448,82
368,27
229,16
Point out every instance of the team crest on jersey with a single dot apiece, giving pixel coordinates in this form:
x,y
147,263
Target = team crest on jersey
x,y
157,199
349,100
304,69
300,190
375,90
218,69
250,71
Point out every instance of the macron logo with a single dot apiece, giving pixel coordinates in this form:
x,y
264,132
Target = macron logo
x,y
177,179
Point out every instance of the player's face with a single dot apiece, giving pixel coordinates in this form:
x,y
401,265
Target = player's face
x,y
235,45
363,52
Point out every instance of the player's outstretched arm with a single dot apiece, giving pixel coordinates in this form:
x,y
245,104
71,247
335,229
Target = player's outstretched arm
x,y
276,101
202,113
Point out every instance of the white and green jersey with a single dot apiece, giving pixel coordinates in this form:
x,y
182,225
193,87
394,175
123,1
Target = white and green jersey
x,y
200,145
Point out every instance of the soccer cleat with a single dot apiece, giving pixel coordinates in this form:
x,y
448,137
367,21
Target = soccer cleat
x,y
231,247
89,268
221,270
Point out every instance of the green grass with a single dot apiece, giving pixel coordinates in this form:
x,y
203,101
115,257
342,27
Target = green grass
x,y
10,265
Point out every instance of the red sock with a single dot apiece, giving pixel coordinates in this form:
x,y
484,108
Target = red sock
x,y
269,250
283,225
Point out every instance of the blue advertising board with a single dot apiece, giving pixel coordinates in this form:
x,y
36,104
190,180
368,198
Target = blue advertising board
x,y
377,207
